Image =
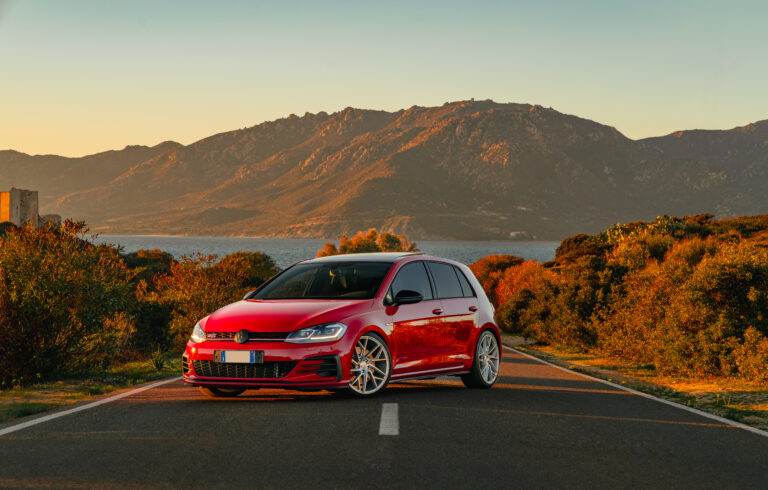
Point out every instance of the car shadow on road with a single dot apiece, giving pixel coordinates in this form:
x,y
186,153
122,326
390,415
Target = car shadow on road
x,y
184,393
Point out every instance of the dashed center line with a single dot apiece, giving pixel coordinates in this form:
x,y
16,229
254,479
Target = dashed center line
x,y
390,423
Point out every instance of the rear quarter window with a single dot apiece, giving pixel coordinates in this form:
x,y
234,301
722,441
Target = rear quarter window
x,y
466,288
446,281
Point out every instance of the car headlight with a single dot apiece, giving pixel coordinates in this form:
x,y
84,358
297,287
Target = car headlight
x,y
328,332
198,334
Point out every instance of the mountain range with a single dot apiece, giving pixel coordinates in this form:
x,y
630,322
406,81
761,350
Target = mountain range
x,y
468,170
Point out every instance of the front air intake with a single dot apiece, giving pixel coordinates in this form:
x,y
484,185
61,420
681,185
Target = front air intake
x,y
270,369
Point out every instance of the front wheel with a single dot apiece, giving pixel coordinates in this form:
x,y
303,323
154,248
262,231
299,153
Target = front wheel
x,y
221,392
371,366
485,367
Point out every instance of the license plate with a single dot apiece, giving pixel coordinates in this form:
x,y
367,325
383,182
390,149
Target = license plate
x,y
239,356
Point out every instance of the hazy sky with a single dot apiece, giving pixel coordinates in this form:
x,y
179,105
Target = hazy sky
x,y
78,77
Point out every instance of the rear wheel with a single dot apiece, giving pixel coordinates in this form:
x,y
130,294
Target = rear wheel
x,y
371,366
485,367
221,392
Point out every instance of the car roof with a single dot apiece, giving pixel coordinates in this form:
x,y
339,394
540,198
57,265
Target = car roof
x,y
362,257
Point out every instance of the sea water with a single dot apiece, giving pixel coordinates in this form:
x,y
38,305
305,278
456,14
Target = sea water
x,y
287,251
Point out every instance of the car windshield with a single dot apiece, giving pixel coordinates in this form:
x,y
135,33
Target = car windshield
x,y
327,280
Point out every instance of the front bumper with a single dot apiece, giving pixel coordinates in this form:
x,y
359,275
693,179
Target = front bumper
x,y
286,365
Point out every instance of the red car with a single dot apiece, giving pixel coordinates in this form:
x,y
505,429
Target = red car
x,y
351,322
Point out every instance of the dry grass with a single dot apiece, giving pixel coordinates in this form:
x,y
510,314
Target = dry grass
x,y
28,400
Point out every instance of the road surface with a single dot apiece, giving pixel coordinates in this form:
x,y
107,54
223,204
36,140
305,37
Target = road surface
x,y
538,427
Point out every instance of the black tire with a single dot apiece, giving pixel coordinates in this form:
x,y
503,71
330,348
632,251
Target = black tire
x,y
475,378
221,392
380,348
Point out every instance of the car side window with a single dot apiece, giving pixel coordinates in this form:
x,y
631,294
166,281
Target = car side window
x,y
411,277
445,280
465,287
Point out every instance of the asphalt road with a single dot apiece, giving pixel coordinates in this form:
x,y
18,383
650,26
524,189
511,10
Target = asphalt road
x,y
538,427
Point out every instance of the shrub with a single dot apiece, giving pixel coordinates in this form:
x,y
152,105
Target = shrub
x,y
196,286
371,241
688,296
65,304
751,356
5,227
146,264
635,251
157,360
578,246
526,275
489,269
257,266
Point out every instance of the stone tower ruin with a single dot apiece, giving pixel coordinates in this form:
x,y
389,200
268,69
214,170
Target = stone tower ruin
x,y
19,206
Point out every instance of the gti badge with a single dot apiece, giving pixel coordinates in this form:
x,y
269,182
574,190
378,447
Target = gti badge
x,y
241,337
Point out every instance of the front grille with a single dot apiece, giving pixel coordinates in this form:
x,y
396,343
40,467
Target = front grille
x,y
325,366
253,336
184,364
270,369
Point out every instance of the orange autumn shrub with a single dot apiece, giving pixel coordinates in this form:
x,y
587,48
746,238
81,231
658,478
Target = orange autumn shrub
x,y
489,269
526,275
370,241
682,295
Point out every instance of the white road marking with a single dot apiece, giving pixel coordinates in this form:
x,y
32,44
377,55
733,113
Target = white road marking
x,y
390,423
63,413
708,415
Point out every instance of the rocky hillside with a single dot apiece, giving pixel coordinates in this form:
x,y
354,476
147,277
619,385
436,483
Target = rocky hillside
x,y
464,170
738,157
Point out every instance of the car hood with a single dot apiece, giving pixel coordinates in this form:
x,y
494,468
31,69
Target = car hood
x,y
281,315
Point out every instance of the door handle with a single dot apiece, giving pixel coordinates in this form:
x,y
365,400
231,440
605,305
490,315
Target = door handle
x,y
473,308
437,311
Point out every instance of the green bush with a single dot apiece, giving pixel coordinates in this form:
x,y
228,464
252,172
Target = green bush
x,y
146,264
68,306
257,266
65,304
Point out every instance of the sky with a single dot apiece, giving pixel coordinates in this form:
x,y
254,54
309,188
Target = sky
x,y
80,77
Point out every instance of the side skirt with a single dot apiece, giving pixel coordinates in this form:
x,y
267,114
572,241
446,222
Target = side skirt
x,y
449,371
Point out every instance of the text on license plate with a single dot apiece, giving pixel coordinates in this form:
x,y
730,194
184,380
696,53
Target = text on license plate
x,y
239,356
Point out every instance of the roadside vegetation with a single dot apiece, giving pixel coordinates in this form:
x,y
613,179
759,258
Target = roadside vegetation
x,y
676,299
69,308
679,296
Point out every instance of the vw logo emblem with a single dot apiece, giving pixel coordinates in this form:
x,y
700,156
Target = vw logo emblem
x,y
241,337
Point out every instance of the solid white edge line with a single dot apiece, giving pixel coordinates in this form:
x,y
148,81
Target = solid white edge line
x,y
708,415
63,413
390,423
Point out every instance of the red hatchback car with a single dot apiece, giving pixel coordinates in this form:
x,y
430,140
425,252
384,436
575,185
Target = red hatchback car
x,y
351,322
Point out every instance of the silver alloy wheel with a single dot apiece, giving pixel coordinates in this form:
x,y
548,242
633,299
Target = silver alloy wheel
x,y
370,366
488,357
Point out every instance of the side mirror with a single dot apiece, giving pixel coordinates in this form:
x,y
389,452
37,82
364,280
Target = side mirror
x,y
407,297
